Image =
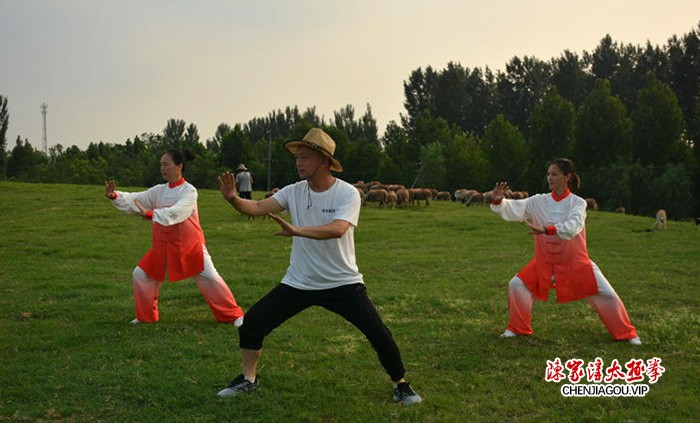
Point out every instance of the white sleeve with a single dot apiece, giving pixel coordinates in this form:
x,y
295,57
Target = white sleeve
x,y
511,210
348,207
178,212
125,200
282,196
574,222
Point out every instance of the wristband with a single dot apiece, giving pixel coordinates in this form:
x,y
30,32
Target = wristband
x,y
112,195
550,230
495,203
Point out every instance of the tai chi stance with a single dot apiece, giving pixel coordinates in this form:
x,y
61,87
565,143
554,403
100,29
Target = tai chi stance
x,y
322,270
561,258
178,243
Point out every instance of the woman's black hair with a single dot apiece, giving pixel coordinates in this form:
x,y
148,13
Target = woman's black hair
x,y
567,167
180,156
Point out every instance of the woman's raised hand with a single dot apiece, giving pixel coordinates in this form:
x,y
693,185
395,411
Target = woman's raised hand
x,y
499,191
110,186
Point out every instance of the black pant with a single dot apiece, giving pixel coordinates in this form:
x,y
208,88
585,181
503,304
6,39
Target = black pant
x,y
245,194
349,301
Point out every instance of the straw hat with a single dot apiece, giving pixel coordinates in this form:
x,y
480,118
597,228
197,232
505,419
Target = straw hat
x,y
319,141
242,167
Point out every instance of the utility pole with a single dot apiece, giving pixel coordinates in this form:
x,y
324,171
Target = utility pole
x,y
269,161
44,110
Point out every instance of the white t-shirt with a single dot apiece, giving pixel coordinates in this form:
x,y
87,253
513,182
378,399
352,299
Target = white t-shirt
x,y
321,264
243,180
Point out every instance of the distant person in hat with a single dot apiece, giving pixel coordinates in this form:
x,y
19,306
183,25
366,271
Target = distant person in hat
x,y
244,181
322,270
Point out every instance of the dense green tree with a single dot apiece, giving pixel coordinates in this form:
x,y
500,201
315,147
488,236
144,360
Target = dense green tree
x,y
652,59
277,124
214,143
520,88
605,59
431,173
551,127
74,166
25,163
361,161
570,77
601,129
389,172
368,128
174,132
506,152
129,164
204,169
657,125
625,81
465,97
362,129
190,140
671,191
466,165
235,148
684,62
419,93
344,119
312,118
427,130
551,136
397,147
694,136
614,184
452,99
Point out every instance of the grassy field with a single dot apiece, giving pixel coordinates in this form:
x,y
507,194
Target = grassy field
x,y
438,276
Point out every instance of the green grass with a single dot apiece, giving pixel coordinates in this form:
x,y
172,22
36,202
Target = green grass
x,y
438,276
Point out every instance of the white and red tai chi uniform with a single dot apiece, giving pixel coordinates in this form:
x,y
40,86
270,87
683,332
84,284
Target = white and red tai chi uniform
x,y
178,249
561,262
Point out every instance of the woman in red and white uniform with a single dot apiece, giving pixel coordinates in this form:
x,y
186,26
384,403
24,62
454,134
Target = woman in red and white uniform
x,y
178,243
561,258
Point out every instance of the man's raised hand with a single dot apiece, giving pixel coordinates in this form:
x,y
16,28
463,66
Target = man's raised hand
x,y
227,185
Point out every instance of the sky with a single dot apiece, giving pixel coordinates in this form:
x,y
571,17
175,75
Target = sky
x,y
110,70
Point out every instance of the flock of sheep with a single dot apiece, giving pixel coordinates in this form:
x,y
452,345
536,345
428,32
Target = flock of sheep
x,y
398,196
394,195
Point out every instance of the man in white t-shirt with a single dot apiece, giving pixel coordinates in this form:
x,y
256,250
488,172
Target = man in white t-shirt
x,y
244,181
322,269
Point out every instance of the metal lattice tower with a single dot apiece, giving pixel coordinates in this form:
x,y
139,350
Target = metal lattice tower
x,y
44,110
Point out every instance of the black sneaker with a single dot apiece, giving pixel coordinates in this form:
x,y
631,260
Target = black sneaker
x,y
238,385
404,394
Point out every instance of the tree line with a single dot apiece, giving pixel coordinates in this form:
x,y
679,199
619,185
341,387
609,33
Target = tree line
x,y
627,115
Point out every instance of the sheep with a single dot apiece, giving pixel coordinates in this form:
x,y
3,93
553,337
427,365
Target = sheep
x,y
591,204
444,196
416,194
391,199
402,197
379,195
660,224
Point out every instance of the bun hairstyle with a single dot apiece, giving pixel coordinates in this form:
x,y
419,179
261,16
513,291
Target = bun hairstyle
x,y
567,168
180,156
